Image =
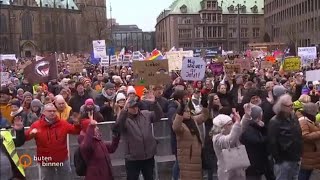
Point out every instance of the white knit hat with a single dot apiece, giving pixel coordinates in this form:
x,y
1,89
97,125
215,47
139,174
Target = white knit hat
x,y
131,90
221,120
120,96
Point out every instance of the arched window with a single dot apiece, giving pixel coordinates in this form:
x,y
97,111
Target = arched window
x,y
73,26
4,44
26,22
47,25
3,24
60,25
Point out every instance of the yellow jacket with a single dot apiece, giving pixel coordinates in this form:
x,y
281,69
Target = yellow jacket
x,y
5,111
65,114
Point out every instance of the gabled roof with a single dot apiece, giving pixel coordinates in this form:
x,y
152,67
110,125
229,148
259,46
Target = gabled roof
x,y
50,3
225,4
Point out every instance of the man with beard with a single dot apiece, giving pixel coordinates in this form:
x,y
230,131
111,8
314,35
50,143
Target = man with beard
x,y
105,101
79,98
5,108
87,85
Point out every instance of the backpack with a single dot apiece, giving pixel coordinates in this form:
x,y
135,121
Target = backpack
x,y
79,163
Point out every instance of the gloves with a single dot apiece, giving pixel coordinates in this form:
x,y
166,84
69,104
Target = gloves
x,y
181,108
204,101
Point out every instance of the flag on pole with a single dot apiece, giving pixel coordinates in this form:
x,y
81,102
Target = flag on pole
x,y
155,55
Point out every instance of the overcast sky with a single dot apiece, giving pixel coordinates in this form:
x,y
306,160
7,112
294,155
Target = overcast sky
x,y
140,12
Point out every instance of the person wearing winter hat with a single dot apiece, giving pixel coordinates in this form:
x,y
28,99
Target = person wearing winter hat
x,y
78,99
254,139
226,134
15,107
89,106
311,141
131,92
36,107
278,90
105,100
119,105
88,88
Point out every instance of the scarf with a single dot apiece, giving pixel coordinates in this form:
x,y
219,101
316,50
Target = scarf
x,y
104,93
193,128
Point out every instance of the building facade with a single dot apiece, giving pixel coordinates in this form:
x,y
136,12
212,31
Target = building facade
x,y
132,38
194,24
30,27
293,21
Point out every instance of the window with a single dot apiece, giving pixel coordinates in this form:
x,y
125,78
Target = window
x,y
4,44
185,33
3,24
185,45
186,21
220,32
255,20
244,32
26,26
232,20
210,32
244,20
256,32
60,25
47,25
232,32
198,32
209,4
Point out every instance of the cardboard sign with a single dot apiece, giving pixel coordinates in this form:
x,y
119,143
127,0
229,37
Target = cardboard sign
x,y
244,63
175,59
193,69
230,69
151,72
292,64
216,68
265,65
76,67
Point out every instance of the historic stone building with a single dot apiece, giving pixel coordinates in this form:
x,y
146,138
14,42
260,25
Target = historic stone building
x,y
194,24
30,27
293,21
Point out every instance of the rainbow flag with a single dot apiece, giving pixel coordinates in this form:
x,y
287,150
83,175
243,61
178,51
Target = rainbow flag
x,y
155,55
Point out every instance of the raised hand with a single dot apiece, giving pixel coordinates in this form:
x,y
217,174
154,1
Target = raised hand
x,y
247,109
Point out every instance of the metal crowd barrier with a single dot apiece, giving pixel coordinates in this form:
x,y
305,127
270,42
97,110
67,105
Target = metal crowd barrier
x,y
161,131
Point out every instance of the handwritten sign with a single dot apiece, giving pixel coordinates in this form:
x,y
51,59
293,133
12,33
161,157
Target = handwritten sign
x,y
193,69
150,72
230,69
307,54
265,65
292,64
244,63
175,59
76,67
99,48
4,78
216,68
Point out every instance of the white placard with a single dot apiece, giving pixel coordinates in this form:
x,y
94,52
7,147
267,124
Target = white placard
x,y
113,60
4,77
126,60
99,48
307,54
193,69
313,75
7,56
175,59
105,61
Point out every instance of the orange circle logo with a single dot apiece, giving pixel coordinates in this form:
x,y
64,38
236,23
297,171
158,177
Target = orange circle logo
x,y
25,160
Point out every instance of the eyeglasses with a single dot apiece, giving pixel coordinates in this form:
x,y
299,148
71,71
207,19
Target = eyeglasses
x,y
289,105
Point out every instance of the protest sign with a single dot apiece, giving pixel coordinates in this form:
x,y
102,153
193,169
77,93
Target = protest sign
x,y
126,60
105,61
113,60
193,69
151,72
265,65
216,68
244,63
230,69
313,75
307,54
7,56
292,64
175,59
99,48
4,78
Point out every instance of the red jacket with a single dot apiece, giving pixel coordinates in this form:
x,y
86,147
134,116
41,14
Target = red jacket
x,y
51,140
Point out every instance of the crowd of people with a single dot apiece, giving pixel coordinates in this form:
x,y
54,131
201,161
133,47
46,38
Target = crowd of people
x,y
275,116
